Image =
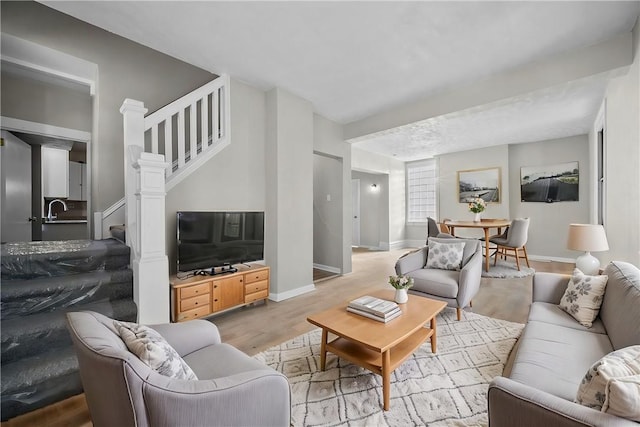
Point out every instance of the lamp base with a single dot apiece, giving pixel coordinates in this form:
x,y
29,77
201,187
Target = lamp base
x,y
588,264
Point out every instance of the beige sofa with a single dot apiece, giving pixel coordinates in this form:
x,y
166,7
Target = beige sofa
x,y
555,352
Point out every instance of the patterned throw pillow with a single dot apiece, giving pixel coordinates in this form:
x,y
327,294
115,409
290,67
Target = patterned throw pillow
x,y
445,256
583,297
612,384
154,351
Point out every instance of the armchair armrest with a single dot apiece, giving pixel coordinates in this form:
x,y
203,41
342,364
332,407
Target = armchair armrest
x,y
549,287
514,404
187,337
412,261
219,402
470,277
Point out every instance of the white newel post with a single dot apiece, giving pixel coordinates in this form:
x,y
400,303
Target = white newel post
x,y
144,177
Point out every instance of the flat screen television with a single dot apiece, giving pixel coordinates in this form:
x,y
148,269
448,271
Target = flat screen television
x,y
214,239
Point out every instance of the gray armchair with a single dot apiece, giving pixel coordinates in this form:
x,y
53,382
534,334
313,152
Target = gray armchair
x,y
232,388
456,288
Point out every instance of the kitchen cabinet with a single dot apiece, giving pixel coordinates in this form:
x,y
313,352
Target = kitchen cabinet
x,y
55,173
77,181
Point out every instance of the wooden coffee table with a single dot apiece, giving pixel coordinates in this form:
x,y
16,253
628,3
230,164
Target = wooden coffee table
x,y
377,346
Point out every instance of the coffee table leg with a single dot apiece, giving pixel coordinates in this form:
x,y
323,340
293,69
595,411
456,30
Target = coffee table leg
x,y
434,342
386,378
323,349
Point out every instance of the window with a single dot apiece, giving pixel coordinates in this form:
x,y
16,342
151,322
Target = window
x,y
421,191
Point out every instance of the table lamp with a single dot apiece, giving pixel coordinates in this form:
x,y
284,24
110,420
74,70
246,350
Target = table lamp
x,y
587,238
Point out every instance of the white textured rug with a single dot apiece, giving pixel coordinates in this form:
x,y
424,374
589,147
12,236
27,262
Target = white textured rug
x,y
507,270
448,388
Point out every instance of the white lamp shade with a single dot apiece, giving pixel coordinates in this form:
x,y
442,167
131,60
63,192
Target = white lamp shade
x,y
587,237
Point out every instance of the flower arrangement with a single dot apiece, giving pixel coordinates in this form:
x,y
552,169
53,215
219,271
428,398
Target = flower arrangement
x,y
477,205
401,282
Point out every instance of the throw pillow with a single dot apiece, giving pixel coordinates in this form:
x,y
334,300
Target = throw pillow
x,y
612,384
445,256
583,297
153,350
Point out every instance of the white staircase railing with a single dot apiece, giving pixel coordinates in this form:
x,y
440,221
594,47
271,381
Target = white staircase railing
x,y
190,130
160,150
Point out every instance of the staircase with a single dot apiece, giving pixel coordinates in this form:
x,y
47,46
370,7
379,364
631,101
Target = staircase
x,y
41,281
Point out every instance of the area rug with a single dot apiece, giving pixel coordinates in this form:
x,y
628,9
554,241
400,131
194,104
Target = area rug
x,y
446,388
507,270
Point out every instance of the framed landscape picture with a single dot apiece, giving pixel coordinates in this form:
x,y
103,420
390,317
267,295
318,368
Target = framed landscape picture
x,y
483,183
550,183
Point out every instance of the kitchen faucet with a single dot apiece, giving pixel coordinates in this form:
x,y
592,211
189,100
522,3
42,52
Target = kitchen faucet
x,y
64,205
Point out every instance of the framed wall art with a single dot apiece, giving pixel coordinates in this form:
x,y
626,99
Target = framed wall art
x,y
483,183
550,183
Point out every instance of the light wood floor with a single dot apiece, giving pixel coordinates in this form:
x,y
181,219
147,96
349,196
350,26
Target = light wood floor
x,y
254,329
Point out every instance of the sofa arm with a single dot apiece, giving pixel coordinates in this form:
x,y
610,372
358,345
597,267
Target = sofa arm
x,y
252,398
470,276
549,287
187,337
514,404
412,261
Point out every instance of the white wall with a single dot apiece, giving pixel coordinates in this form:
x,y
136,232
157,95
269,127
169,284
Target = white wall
x,y
549,222
622,169
448,167
235,178
365,161
328,140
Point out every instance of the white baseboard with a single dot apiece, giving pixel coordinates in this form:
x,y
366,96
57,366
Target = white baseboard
x,y
544,258
414,243
328,268
277,297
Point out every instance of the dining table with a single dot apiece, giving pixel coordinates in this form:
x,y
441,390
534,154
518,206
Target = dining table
x,y
485,224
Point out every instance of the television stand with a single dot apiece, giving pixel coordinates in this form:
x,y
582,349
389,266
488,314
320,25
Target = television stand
x,y
225,269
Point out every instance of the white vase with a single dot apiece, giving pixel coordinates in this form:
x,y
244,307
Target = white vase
x,y
401,296
476,218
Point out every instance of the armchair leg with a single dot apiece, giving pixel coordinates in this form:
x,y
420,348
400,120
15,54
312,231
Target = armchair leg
x,y
470,303
459,312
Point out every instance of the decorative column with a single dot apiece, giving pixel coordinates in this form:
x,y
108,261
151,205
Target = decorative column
x,y
144,178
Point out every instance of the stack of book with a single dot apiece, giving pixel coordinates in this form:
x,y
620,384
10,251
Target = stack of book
x,y
375,308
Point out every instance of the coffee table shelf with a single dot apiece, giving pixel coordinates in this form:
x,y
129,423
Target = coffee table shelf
x,y
372,360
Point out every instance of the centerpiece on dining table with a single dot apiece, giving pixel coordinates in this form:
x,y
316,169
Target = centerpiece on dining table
x,y
477,206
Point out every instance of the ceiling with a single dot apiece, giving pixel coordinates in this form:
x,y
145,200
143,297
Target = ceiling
x,y
352,60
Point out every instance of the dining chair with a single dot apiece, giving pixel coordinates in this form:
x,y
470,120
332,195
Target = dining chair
x,y
434,231
513,239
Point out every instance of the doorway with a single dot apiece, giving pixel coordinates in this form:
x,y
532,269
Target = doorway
x,y
355,209
15,171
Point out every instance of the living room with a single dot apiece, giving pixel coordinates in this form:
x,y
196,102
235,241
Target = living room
x,y
262,165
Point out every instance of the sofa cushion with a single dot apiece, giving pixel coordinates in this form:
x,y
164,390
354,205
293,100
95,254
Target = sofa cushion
x,y
442,283
221,360
445,256
554,358
619,313
552,313
153,350
583,296
609,384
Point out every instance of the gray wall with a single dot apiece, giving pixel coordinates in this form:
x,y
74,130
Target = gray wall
x,y
374,228
126,70
549,225
622,214
235,178
448,167
327,212
36,101
328,140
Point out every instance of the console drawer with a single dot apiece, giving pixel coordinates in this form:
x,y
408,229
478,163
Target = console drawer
x,y
195,302
256,287
205,310
256,296
256,276
192,291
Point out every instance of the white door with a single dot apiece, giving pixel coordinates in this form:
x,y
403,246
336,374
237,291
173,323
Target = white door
x,y
15,171
355,202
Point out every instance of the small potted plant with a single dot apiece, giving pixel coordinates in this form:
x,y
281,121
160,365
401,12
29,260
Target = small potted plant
x,y
477,206
401,284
